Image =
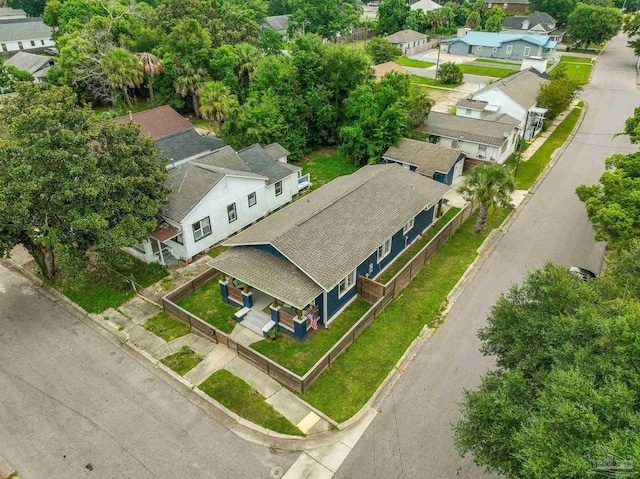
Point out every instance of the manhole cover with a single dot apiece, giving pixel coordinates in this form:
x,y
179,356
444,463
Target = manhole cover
x,y
276,472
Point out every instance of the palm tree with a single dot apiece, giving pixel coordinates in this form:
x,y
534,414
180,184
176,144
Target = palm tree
x,y
214,101
151,66
123,71
190,83
489,186
248,56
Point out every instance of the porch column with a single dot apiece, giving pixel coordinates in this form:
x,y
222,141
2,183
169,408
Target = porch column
x,y
247,296
275,312
300,327
224,291
439,209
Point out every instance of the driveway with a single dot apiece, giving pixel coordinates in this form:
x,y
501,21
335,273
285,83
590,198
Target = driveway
x,y
411,438
72,405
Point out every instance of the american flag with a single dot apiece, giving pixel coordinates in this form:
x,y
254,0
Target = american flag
x,y
314,321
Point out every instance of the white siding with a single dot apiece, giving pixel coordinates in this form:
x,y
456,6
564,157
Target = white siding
x,y
507,105
493,153
468,112
26,44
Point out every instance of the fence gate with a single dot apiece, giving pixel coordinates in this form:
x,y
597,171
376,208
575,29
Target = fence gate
x,y
369,290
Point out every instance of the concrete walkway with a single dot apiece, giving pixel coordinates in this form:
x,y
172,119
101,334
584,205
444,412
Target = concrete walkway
x,y
542,137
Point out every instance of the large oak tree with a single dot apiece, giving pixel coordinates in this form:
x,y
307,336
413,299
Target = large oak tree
x,y
69,183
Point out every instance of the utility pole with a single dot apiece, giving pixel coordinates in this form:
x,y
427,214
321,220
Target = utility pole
x,y
438,60
524,132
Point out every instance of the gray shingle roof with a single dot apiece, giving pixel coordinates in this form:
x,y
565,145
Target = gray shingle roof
x,y
272,275
276,151
29,61
16,29
428,157
185,144
517,2
523,86
332,230
536,18
12,12
472,104
260,162
225,157
470,129
279,23
405,36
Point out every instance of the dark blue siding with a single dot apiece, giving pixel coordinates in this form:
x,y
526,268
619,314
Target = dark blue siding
x,y
266,247
411,167
448,178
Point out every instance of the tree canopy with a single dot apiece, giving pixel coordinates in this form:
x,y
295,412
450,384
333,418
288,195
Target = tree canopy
x,y
563,398
69,184
592,24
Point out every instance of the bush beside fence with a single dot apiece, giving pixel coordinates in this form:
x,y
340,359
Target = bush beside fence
x,y
298,383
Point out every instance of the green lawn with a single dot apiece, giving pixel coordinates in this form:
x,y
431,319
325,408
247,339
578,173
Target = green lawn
x,y
410,62
349,383
207,304
574,59
235,394
326,165
529,170
299,357
218,250
166,327
485,71
98,288
183,361
578,71
412,250
497,62
432,82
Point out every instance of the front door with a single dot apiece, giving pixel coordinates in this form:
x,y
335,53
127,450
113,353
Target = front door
x,y
457,170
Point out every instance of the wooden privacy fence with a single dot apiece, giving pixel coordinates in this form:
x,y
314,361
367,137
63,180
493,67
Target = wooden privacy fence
x,y
378,294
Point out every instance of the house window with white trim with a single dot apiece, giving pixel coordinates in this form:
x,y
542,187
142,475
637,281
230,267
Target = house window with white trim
x,y
527,51
232,214
20,46
278,188
252,199
33,43
479,48
494,49
409,226
384,249
4,47
482,151
42,42
509,50
346,284
178,239
455,144
201,228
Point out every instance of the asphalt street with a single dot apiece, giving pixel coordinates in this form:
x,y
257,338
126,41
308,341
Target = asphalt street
x,y
411,438
72,404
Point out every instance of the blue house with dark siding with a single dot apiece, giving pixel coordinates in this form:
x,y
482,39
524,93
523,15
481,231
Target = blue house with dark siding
x,y
300,266
433,161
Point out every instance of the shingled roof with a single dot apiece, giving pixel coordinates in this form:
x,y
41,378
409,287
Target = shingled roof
x,y
427,157
332,230
405,36
471,129
262,163
158,122
522,87
29,62
185,144
20,29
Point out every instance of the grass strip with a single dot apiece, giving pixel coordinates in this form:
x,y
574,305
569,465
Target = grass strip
x,y
349,383
410,62
299,357
326,165
183,361
574,59
207,304
165,327
485,71
412,250
496,62
432,82
579,72
529,170
243,399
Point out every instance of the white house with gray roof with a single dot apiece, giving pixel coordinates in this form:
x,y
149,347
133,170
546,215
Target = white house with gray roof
x,y
303,263
279,23
515,95
8,13
24,34
214,195
409,41
491,139
37,65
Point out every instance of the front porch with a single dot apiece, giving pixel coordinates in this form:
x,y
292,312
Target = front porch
x,y
155,249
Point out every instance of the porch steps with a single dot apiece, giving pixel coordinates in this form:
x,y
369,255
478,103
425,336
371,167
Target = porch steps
x,y
255,321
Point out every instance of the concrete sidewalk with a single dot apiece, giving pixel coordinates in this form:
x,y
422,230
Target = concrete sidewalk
x,y
542,137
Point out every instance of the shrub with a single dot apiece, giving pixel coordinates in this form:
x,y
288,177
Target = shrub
x,y
381,51
450,73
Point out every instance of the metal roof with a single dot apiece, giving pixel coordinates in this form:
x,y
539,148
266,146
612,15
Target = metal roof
x,y
490,39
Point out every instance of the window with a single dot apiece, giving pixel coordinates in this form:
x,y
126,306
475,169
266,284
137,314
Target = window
x,y
33,44
201,229
455,143
408,227
406,166
527,51
494,49
505,5
468,111
384,249
252,199
346,284
178,239
509,49
20,46
42,42
479,48
4,47
232,213
482,151
278,188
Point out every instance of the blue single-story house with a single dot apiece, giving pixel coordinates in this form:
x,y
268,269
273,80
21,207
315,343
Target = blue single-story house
x,y
300,266
505,46
433,161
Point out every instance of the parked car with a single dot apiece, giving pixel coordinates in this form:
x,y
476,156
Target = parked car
x,y
581,273
51,51
373,4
